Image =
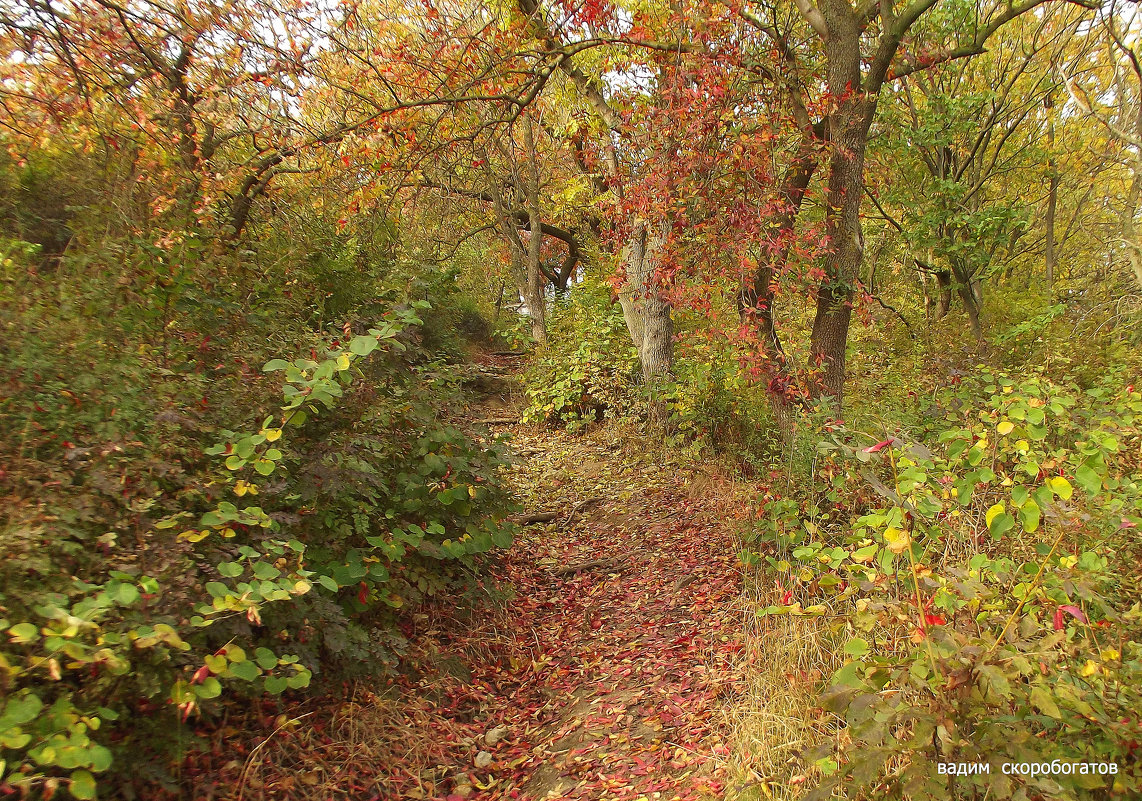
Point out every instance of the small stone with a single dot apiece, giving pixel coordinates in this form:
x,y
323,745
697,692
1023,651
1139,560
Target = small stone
x,y
493,736
483,759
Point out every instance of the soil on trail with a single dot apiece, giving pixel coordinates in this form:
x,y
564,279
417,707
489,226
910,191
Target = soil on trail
x,y
602,671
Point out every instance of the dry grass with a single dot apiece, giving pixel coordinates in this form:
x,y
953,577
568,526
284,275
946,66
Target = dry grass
x,y
776,718
349,753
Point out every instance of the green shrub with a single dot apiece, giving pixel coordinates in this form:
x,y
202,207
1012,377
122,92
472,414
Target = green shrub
x,y
144,582
984,582
589,367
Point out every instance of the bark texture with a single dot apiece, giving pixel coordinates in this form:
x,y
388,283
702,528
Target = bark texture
x,y
648,316
848,133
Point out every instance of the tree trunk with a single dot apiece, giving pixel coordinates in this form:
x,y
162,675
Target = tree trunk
x,y
972,309
648,316
1052,203
849,122
966,287
755,301
1129,232
944,299
536,282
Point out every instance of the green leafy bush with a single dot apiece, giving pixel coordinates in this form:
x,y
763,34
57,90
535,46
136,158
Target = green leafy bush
x,y
589,367
983,581
143,582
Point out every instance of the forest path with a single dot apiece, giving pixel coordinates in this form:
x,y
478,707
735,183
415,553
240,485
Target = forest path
x,y
624,631
602,669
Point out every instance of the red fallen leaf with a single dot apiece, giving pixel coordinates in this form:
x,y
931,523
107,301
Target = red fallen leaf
x,y
1127,524
1073,611
363,593
878,447
935,620
200,675
787,597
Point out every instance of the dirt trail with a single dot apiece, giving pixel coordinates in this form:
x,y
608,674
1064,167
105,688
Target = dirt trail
x,y
603,672
615,670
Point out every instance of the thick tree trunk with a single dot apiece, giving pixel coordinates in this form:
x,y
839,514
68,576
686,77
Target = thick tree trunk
x,y
842,267
532,291
648,316
849,122
970,294
972,308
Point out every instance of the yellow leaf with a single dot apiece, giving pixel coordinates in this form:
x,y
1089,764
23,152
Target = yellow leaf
x,y
1005,428
994,512
343,361
194,536
1061,487
896,540
272,434
1089,669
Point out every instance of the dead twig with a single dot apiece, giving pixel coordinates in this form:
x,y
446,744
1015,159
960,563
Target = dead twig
x,y
538,517
250,759
579,507
547,517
